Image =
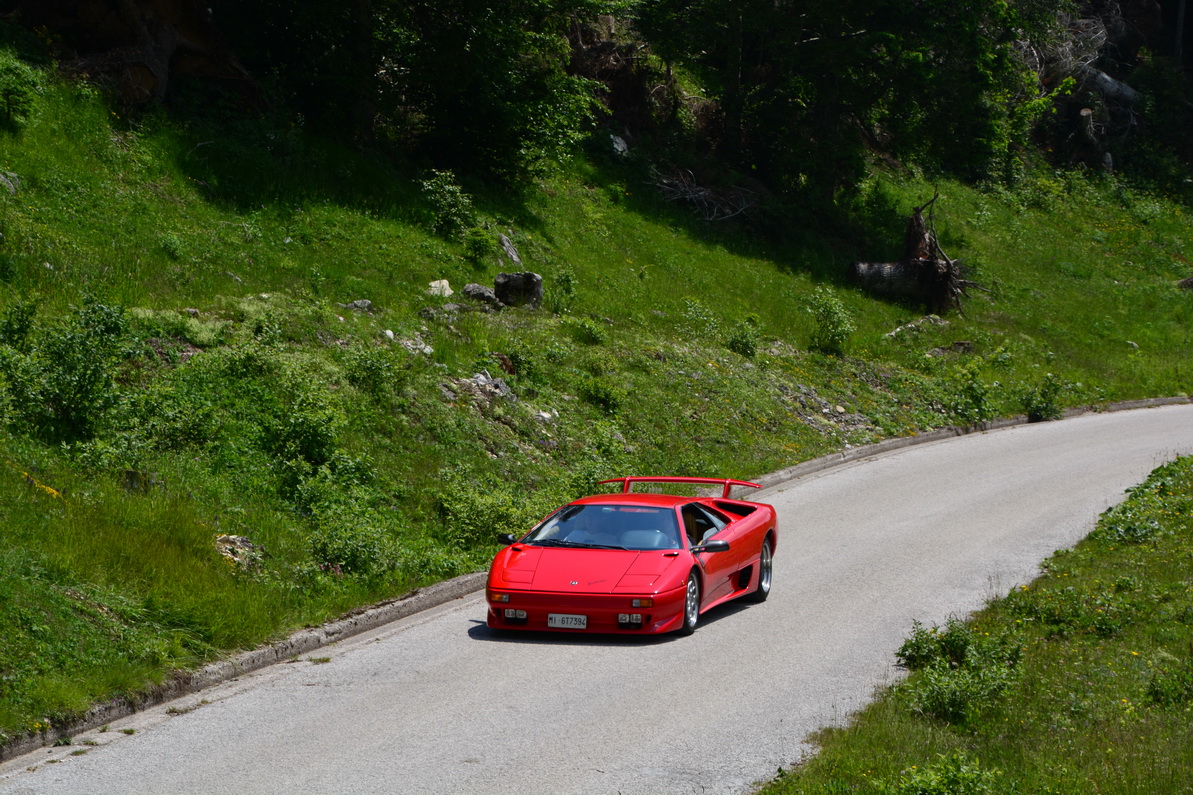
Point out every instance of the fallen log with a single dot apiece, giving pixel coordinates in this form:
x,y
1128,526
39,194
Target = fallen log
x,y
924,275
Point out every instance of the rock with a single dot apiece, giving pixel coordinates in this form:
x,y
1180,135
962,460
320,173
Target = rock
x,y
441,288
10,182
519,289
489,386
359,305
507,246
620,147
479,292
235,278
915,325
240,551
545,417
389,334
417,345
191,311
1186,284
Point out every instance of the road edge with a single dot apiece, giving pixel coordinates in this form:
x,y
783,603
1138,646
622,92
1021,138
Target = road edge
x,y
304,641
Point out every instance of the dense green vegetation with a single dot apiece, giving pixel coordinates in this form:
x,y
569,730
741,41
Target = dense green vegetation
x,y
183,362
1079,682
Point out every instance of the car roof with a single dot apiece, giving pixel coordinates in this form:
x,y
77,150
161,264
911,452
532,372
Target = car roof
x,y
655,500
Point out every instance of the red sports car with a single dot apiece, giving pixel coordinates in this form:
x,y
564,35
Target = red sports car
x,y
634,563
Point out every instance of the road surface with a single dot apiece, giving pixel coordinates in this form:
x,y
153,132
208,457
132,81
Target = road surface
x,y
437,703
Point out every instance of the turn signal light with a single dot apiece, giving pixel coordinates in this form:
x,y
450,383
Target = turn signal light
x,y
642,603
498,597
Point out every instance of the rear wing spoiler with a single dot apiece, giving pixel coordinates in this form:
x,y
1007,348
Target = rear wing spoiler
x,y
627,484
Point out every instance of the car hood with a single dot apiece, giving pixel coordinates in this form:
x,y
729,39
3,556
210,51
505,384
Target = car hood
x,y
586,570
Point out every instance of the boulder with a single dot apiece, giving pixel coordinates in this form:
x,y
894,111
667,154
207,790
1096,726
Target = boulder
x,y
519,289
479,292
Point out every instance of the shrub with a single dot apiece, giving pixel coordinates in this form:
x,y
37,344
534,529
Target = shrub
x,y
348,541
968,400
1042,401
476,508
1172,685
743,340
371,369
479,245
16,323
450,207
64,384
584,331
305,425
19,86
698,321
600,393
562,292
834,326
959,670
951,775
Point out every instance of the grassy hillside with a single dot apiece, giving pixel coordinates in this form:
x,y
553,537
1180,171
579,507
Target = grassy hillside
x,y
178,362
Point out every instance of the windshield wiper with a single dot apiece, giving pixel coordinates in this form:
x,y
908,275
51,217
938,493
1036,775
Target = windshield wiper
x,y
560,542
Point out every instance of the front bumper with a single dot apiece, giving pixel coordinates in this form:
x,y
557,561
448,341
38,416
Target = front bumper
x,y
602,611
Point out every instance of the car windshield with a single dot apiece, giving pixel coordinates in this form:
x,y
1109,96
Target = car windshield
x,y
605,526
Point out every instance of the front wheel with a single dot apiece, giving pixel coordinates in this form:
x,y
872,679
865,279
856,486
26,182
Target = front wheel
x,y
691,606
765,566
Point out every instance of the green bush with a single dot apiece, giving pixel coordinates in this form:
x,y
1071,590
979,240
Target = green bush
x,y
64,384
371,369
480,245
1042,401
476,508
450,207
743,340
585,331
959,671
561,292
834,326
1172,685
968,398
951,775
348,541
19,86
598,392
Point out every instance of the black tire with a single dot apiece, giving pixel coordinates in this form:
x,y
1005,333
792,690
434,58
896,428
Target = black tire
x,y
691,610
765,569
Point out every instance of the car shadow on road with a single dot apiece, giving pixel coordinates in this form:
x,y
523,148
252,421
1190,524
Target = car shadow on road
x,y
482,632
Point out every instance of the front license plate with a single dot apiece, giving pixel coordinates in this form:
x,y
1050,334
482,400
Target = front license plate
x,y
565,621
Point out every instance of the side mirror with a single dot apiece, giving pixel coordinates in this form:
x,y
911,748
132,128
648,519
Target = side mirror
x,y
711,546
507,538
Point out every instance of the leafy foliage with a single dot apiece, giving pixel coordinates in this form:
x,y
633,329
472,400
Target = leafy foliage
x,y
834,326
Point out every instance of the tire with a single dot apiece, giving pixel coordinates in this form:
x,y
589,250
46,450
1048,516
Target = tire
x,y
765,569
691,610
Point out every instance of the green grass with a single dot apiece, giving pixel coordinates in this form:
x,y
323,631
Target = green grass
x,y
177,363
1079,682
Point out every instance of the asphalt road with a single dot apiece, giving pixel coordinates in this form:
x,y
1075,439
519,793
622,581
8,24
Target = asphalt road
x,y
438,704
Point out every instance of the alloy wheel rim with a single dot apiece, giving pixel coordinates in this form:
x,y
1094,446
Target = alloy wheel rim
x,y
764,569
693,604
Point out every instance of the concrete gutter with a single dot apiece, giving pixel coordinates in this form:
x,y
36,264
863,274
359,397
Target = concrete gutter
x,y
304,641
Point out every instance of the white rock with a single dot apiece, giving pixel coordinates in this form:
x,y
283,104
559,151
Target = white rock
x,y
440,287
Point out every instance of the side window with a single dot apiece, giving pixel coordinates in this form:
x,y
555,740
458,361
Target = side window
x,y
700,523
